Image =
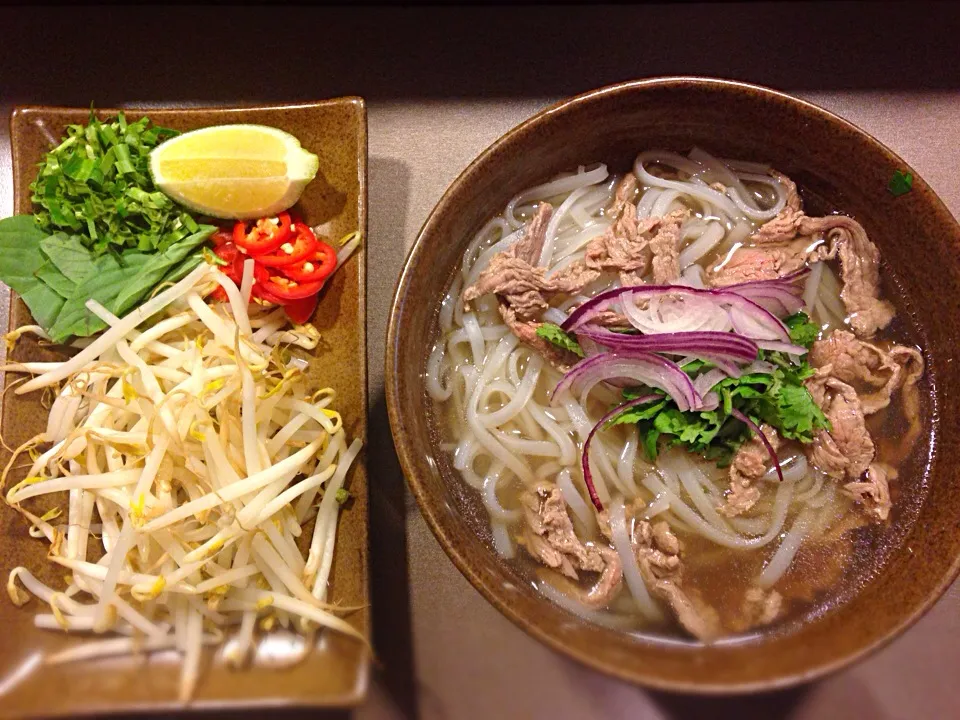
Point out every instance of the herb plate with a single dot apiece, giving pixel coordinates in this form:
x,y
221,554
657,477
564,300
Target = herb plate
x,y
335,672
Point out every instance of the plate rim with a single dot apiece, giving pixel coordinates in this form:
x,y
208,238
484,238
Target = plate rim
x,y
360,688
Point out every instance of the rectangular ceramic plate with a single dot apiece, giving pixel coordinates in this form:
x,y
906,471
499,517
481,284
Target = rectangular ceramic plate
x,y
335,672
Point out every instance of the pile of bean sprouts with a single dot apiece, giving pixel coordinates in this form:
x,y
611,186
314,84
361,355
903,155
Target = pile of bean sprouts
x,y
190,455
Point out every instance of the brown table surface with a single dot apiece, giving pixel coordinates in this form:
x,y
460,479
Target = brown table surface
x,y
441,85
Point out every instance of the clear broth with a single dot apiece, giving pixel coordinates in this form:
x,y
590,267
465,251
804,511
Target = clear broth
x,y
824,573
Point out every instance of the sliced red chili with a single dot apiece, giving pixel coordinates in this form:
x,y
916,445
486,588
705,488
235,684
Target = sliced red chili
x,y
266,235
229,254
300,311
226,251
287,290
261,294
296,250
315,268
221,237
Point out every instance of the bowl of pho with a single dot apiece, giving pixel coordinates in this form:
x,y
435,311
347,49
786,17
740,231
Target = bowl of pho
x,y
680,413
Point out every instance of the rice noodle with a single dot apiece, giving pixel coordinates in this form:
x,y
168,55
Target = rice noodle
x,y
693,276
495,392
546,253
705,194
750,526
631,570
727,539
596,617
749,209
664,202
794,469
782,558
584,211
571,248
484,260
490,483
722,173
746,166
574,499
560,186
812,287
626,462
693,481
502,540
708,240
647,200
435,370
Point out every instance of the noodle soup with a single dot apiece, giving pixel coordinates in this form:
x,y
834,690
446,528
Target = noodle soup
x,y
683,401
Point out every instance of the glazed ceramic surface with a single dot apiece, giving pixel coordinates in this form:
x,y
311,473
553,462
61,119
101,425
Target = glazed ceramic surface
x,y
335,673
829,158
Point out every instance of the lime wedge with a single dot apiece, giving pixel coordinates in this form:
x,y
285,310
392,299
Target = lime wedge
x,y
234,171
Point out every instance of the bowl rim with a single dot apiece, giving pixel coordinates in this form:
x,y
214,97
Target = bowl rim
x,y
404,445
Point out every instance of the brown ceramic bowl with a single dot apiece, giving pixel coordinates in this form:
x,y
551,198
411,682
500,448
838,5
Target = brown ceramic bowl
x,y
920,242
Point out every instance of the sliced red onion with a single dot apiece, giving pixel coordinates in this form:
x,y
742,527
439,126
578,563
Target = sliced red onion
x,y
763,438
728,367
643,368
719,344
760,366
589,347
751,325
782,296
585,456
711,401
760,321
784,347
777,300
704,383
672,314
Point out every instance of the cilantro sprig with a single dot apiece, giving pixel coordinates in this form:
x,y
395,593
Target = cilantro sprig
x,y
559,337
778,398
802,331
901,183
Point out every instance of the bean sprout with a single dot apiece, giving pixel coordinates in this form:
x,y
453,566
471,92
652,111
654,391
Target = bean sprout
x,y
194,439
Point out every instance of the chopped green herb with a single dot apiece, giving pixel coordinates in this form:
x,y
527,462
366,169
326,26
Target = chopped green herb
x,y
692,368
901,183
342,495
632,393
778,398
802,331
101,230
96,186
637,413
650,437
559,337
695,367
